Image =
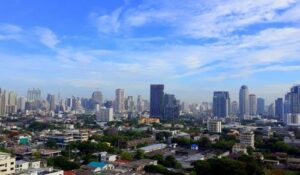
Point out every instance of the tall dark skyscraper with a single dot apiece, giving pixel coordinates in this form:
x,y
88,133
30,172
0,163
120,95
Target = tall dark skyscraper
x,y
279,108
260,106
287,103
221,104
252,104
171,107
295,99
156,100
292,100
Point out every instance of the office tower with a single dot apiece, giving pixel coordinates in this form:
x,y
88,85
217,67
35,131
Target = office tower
x,y
140,104
293,119
185,107
221,104
97,98
214,126
51,102
295,100
87,103
3,102
287,103
69,103
234,108
244,101
156,100
33,95
146,105
62,105
279,109
120,101
271,110
21,104
252,104
260,106
108,104
129,105
171,107
76,104
105,115
247,139
11,107
292,104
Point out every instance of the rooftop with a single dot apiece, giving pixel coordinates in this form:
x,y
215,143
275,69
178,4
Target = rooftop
x,y
97,164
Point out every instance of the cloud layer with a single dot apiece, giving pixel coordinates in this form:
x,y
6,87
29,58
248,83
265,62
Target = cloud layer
x,y
185,45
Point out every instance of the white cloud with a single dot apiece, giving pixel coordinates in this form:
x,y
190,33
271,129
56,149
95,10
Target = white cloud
x,y
108,23
47,37
11,32
198,19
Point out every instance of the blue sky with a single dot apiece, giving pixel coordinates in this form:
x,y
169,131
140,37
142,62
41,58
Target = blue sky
x,y
192,46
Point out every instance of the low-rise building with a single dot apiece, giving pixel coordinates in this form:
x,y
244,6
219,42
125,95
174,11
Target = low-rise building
x,y
247,139
153,147
148,120
42,171
21,166
7,164
239,148
100,166
293,163
214,126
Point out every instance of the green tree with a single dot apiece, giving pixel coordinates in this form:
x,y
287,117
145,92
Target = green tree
x,y
139,154
126,156
51,144
156,169
36,155
204,142
62,163
202,167
171,162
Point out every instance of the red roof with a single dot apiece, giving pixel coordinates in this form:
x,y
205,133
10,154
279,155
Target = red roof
x,y
69,173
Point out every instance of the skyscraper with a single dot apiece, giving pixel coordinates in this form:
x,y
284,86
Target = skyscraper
x,y
260,106
252,104
12,103
234,110
271,110
105,115
287,103
69,103
295,99
129,105
156,100
120,101
33,95
21,104
244,101
51,101
97,99
3,102
279,109
221,104
171,107
140,104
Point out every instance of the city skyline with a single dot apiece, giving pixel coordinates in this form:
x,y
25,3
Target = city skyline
x,y
234,96
198,47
